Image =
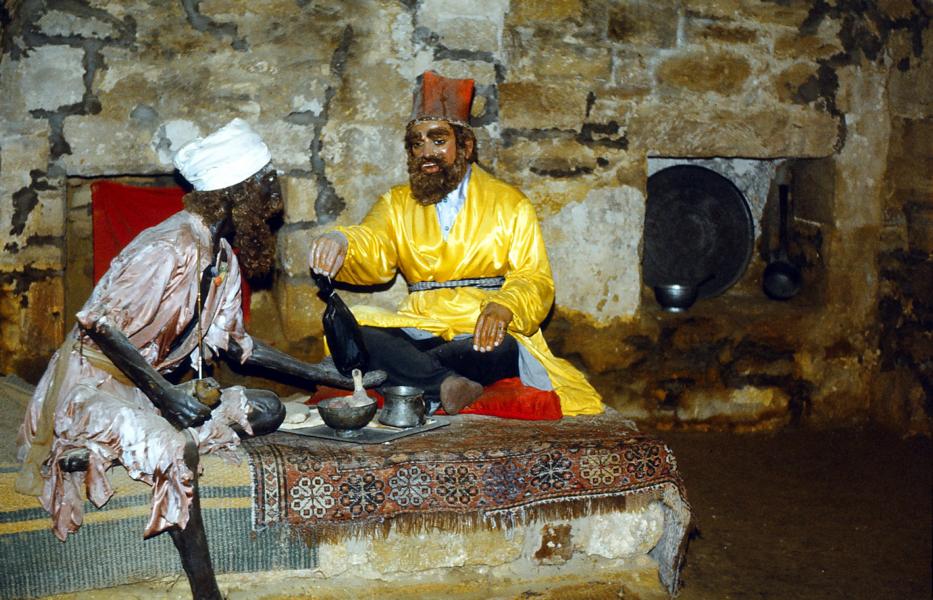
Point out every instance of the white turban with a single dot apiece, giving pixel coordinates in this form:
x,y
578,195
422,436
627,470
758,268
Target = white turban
x,y
226,157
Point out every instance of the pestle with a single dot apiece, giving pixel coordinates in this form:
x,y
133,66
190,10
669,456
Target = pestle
x,y
360,398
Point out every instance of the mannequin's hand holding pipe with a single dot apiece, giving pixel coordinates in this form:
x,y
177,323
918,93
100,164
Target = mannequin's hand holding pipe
x,y
327,254
491,327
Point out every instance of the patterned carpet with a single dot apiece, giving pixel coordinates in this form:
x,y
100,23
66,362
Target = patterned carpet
x,y
477,472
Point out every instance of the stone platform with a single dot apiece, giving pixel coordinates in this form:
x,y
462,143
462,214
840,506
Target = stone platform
x,y
564,506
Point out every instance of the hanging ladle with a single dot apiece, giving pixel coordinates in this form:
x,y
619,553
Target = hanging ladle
x,y
781,280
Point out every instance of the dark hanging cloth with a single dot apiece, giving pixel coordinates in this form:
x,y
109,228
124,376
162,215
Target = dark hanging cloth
x,y
344,337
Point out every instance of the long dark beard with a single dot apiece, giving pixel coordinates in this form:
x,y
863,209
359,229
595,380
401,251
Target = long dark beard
x,y
254,239
255,245
431,188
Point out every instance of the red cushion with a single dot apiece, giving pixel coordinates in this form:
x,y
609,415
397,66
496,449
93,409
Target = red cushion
x,y
507,398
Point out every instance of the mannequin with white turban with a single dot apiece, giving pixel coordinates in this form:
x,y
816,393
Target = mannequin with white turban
x,y
170,300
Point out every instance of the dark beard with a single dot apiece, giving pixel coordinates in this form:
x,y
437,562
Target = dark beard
x,y
431,188
255,245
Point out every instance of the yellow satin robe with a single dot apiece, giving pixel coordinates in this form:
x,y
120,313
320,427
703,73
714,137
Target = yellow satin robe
x,y
496,233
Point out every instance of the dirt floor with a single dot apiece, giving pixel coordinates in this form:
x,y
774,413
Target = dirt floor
x,y
798,514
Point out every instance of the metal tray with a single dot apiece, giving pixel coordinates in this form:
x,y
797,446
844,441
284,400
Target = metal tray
x,y
698,230
374,433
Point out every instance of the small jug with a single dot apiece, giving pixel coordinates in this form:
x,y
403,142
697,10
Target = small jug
x,y
403,407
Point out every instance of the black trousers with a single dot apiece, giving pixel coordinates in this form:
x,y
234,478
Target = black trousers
x,y
426,363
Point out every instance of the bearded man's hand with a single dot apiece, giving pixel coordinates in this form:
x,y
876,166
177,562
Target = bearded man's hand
x,y
491,327
328,252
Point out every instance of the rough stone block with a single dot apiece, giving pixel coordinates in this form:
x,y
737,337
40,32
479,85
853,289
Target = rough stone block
x,y
724,33
299,307
293,247
587,278
52,77
170,137
613,104
362,162
840,397
473,25
446,549
33,325
910,161
550,196
47,219
58,23
788,83
289,143
644,23
102,147
793,45
534,58
299,195
920,229
750,405
529,12
481,72
557,158
813,185
21,152
556,545
722,72
632,75
380,96
896,9
791,13
45,257
765,132
621,535
911,91
536,106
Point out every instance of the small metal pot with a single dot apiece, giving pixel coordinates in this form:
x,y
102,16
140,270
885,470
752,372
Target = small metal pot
x,y
675,297
403,407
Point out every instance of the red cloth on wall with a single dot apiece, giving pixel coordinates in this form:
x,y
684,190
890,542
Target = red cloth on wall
x,y
120,212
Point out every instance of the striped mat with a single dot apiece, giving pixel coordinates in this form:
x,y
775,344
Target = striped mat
x,y
109,548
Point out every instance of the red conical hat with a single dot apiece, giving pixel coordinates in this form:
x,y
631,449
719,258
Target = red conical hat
x,y
445,99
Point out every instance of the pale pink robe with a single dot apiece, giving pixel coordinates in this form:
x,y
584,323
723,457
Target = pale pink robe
x,y
149,293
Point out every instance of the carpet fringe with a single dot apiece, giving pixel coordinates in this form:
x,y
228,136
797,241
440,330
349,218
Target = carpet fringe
x,y
505,519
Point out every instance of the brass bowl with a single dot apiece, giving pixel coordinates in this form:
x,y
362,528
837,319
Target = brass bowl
x,y
344,418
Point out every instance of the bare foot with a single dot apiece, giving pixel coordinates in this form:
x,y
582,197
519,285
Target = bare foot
x,y
459,392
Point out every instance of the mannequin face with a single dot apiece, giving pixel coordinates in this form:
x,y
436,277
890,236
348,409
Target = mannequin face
x,y
433,145
436,164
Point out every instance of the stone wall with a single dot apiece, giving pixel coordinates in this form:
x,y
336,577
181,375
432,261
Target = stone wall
x,y
573,98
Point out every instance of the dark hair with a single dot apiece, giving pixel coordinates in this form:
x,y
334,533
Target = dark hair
x,y
463,134
250,210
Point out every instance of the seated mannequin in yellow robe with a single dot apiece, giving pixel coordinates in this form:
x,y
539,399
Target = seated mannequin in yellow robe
x,y
471,249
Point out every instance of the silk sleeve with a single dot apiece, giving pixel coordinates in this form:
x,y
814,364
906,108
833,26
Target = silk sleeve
x,y
529,287
372,257
134,297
